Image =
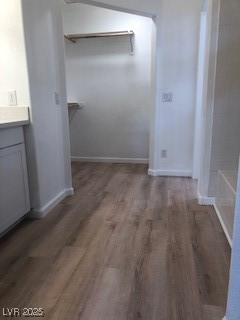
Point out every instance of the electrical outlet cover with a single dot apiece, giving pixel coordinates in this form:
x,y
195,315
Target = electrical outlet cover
x,y
12,98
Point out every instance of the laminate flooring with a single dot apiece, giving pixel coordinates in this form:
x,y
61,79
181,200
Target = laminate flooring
x,y
126,246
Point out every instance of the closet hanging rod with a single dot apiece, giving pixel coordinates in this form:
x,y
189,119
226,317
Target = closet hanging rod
x,y
74,37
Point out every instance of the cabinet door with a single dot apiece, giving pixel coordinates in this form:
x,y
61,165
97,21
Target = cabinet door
x,y
14,192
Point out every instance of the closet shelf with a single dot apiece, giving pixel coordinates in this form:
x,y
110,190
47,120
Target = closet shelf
x,y
75,37
74,105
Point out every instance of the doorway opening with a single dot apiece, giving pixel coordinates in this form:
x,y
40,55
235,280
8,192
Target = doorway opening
x,y
108,57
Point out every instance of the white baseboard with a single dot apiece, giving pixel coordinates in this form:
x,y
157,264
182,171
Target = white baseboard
x,y
170,173
211,201
40,213
206,201
110,160
223,226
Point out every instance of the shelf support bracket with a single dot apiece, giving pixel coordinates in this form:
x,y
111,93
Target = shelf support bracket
x,y
131,37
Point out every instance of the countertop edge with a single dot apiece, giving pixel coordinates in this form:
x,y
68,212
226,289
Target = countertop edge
x,y
17,123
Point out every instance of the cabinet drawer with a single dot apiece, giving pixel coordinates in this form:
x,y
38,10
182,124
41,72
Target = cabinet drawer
x,y
11,136
14,192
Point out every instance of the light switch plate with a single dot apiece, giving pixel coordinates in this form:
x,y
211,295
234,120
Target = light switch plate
x,y
57,98
12,98
167,97
164,154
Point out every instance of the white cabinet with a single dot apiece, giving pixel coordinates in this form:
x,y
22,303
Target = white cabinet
x,y
14,192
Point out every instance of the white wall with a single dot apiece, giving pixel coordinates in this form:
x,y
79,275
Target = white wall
x,y
178,34
177,46
114,85
226,116
233,307
13,67
213,7
225,129
48,134
200,96
221,110
143,7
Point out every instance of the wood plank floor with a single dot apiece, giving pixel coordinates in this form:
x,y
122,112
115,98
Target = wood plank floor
x,y
126,246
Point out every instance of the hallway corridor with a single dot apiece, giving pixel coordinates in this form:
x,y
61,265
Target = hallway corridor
x,y
125,246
